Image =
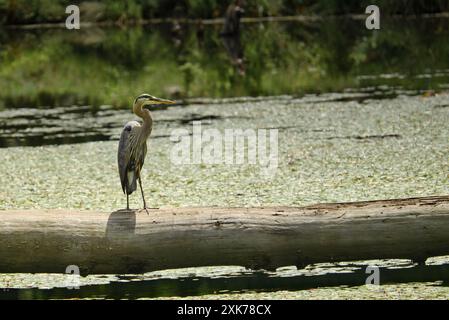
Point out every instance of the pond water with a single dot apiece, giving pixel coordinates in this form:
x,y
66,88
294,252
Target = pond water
x,y
236,282
81,76
361,114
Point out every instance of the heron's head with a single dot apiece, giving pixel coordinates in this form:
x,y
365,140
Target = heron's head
x,y
146,100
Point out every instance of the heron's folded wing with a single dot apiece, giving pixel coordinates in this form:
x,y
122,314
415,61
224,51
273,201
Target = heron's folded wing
x,y
122,156
123,152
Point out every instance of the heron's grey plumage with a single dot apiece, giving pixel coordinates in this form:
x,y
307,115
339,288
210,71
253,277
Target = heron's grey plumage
x,y
127,164
132,147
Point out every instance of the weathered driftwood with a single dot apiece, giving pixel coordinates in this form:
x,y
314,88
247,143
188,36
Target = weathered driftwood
x,y
134,242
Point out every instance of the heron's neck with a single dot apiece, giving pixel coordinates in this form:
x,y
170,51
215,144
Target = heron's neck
x,y
147,120
147,125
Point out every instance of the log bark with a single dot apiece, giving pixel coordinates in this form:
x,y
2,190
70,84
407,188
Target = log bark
x,y
257,238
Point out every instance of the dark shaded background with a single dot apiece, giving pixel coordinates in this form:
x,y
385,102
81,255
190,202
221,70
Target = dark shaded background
x,y
40,11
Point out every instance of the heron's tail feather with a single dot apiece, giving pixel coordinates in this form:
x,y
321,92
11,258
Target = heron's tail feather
x,y
131,184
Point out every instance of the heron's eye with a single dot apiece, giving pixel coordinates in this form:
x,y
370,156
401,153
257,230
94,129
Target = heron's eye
x,y
128,128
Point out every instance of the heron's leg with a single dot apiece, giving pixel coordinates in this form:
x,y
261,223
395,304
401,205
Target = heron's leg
x,y
127,200
143,197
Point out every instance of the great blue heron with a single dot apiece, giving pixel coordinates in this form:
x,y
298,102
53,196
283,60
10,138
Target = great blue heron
x,y
132,147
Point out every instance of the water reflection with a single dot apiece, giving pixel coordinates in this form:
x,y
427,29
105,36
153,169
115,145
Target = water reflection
x,y
59,125
78,124
196,281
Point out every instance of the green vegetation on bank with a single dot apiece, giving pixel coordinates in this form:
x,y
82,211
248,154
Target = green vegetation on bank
x,y
43,11
109,66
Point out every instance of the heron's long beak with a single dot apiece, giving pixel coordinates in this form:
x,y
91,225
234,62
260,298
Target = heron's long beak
x,y
156,101
161,101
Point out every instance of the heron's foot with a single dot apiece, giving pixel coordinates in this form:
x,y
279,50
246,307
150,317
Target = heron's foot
x,y
146,209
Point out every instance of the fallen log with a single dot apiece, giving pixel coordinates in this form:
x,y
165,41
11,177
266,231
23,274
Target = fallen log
x,y
257,238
